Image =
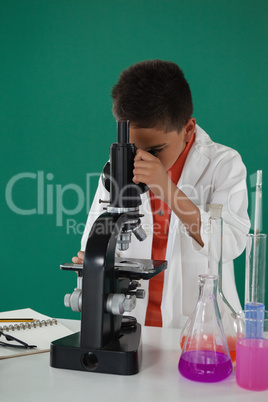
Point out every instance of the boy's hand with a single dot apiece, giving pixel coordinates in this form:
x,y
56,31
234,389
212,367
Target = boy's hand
x,y
149,170
79,259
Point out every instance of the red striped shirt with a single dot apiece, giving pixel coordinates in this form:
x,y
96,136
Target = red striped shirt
x,y
161,218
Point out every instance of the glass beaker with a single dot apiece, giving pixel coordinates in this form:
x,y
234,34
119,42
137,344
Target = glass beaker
x,y
205,355
228,314
252,352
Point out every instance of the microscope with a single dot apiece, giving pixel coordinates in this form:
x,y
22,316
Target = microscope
x,y
108,287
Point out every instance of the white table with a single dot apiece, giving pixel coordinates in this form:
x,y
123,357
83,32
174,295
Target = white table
x,y
30,378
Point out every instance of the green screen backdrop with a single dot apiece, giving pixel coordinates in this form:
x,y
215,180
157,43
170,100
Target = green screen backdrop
x,y
58,62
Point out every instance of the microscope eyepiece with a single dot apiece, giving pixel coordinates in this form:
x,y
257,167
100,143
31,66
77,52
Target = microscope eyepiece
x,y
123,132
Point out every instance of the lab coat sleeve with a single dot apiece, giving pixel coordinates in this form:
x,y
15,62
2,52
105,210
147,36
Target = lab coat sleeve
x,y
96,210
228,188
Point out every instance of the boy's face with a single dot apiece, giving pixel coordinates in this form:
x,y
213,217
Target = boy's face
x,y
168,146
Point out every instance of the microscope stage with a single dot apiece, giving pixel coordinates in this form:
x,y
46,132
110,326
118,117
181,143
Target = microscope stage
x,y
132,268
135,268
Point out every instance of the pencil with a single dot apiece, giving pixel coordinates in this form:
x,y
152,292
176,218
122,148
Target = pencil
x,y
17,319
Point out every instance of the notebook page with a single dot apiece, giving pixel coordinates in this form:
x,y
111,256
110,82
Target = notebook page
x,y
40,336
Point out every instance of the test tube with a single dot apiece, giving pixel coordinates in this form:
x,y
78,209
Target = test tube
x,y
255,284
255,269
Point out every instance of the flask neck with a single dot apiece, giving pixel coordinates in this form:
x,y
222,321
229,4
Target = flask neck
x,y
208,285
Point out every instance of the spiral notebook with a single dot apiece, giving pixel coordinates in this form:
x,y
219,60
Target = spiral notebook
x,y
40,332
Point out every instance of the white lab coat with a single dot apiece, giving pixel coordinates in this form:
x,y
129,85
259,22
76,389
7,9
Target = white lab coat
x,y
212,173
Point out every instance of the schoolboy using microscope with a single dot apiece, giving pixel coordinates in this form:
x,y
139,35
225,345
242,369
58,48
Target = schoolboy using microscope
x,y
188,173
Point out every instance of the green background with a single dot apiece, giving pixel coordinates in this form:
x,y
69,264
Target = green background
x,y
58,62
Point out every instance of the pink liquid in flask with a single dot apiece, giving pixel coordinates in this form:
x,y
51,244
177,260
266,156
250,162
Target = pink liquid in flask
x,y
205,365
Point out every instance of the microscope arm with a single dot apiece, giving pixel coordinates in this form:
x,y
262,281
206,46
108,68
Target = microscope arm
x,y
98,327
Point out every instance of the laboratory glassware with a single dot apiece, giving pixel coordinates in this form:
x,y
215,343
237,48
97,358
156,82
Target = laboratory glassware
x,y
255,283
205,355
252,352
228,314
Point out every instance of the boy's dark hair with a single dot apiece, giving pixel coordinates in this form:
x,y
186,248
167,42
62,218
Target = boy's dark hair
x,y
153,94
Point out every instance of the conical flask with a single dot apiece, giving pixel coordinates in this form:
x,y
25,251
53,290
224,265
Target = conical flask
x,y
228,314
205,355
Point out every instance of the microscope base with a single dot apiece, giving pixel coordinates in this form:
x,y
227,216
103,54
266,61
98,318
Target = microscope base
x,y
122,356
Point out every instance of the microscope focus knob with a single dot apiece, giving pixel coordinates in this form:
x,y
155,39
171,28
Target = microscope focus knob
x,y
67,300
74,300
140,293
129,303
119,304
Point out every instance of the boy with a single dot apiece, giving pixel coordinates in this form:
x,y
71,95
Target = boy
x,y
188,173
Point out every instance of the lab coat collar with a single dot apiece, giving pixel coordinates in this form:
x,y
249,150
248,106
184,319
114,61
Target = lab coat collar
x,y
196,162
